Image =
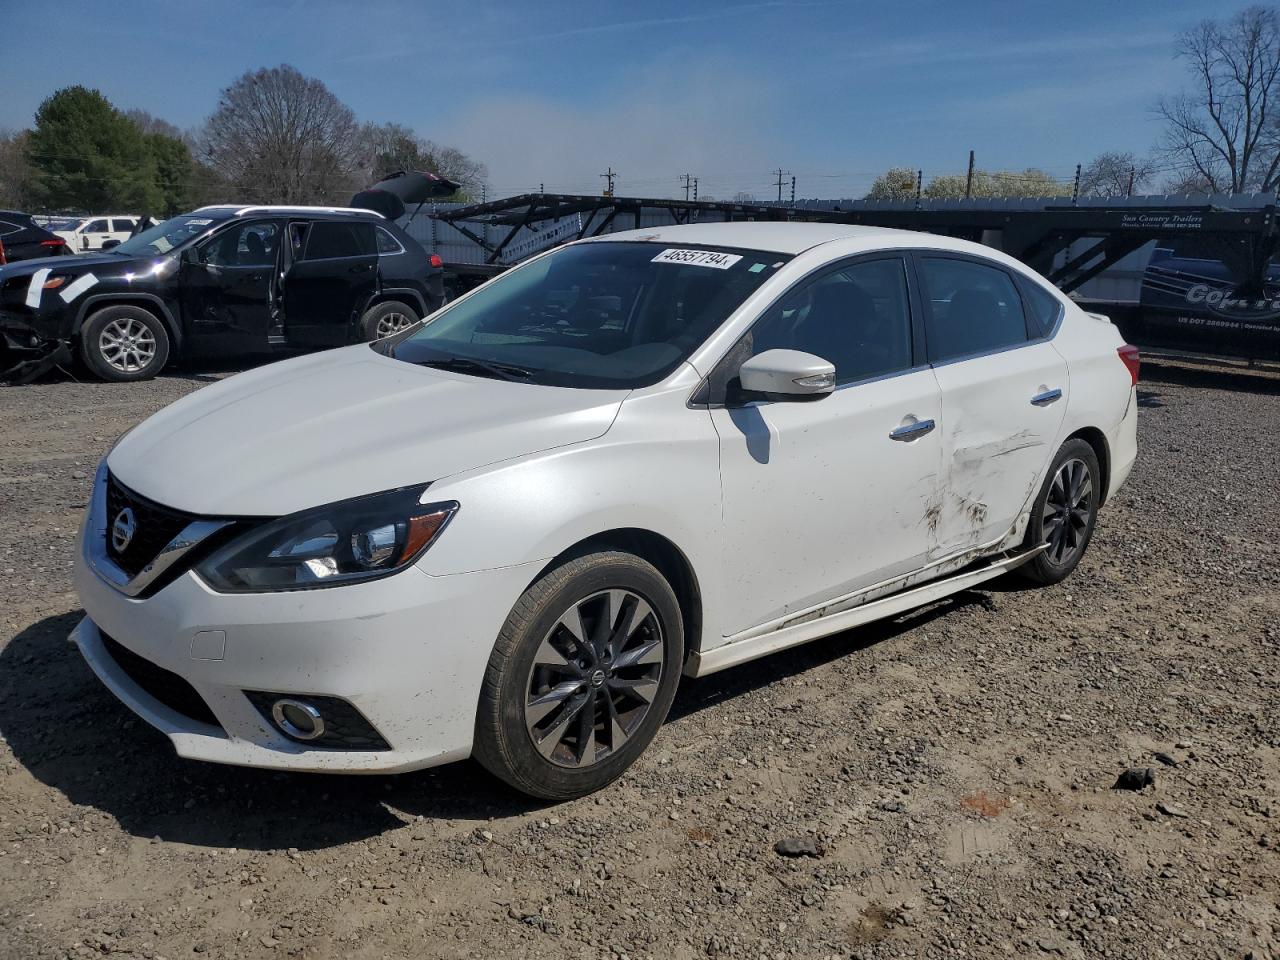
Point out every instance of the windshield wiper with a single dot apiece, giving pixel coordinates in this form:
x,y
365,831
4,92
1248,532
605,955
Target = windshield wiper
x,y
503,371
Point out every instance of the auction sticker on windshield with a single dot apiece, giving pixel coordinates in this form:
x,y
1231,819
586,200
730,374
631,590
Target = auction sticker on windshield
x,y
698,258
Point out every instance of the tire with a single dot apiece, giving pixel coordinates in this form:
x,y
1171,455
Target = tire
x,y
124,343
528,731
386,319
1073,478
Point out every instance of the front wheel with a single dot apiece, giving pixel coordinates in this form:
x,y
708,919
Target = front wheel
x,y
387,319
1064,514
582,676
124,343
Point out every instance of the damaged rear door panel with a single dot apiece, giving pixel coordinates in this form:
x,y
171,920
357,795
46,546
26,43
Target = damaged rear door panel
x,y
1004,391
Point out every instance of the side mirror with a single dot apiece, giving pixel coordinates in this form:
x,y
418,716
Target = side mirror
x,y
788,375
110,244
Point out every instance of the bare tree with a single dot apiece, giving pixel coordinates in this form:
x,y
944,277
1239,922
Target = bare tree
x,y
396,147
278,136
15,170
1227,132
1108,175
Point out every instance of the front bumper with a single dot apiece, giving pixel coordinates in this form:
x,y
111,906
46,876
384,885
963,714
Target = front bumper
x,y
408,652
29,347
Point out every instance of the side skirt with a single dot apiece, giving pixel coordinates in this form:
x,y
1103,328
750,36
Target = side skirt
x,y
749,648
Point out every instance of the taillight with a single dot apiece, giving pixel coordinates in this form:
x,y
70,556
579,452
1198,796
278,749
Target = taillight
x,y
436,261
53,243
3,261
1131,358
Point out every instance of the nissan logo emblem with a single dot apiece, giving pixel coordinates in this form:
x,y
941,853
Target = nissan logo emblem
x,y
123,529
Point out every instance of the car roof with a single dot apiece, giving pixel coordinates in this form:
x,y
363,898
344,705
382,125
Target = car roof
x,y
230,210
788,238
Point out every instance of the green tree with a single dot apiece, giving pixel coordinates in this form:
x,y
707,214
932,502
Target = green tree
x,y
175,173
897,183
87,155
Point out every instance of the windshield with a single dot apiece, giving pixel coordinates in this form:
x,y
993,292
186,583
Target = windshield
x,y
604,315
63,223
163,238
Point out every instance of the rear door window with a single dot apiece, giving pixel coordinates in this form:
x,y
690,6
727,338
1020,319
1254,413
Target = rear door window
x,y
971,308
123,226
97,226
336,239
7,228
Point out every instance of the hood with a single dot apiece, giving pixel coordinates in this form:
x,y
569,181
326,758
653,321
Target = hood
x,y
341,424
80,263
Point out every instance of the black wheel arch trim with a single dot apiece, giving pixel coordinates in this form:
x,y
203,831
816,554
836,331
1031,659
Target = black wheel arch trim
x,y
397,293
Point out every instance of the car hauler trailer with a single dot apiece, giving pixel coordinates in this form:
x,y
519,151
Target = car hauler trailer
x,y
1183,273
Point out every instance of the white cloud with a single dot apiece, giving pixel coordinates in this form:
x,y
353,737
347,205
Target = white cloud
x,y
652,126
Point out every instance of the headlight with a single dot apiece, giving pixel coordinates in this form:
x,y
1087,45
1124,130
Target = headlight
x,y
341,543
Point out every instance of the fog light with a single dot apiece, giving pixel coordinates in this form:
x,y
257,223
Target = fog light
x,y
298,719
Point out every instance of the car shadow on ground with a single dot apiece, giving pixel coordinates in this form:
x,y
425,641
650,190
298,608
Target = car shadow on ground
x,y
73,736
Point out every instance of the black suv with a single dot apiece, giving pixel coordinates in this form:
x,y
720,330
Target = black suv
x,y
218,281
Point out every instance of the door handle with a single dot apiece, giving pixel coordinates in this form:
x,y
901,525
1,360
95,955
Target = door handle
x,y
1046,398
911,431
361,269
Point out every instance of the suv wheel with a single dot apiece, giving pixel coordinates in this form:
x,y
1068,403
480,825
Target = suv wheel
x,y
582,676
1064,514
386,319
124,343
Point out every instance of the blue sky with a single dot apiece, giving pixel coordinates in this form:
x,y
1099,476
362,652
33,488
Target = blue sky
x,y
555,91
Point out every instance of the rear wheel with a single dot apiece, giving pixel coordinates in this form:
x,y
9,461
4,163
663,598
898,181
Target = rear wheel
x,y
387,319
1065,513
582,676
124,343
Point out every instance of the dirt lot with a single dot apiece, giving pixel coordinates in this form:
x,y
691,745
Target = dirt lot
x,y
953,767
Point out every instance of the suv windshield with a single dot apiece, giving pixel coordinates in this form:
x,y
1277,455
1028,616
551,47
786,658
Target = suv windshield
x,y
163,238
604,315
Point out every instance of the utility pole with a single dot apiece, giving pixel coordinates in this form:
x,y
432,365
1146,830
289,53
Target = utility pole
x,y
968,181
919,186
689,181
1129,192
793,191
781,173
484,192
1075,190
608,175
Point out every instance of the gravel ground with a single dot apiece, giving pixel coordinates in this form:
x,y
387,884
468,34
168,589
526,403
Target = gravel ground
x,y
951,769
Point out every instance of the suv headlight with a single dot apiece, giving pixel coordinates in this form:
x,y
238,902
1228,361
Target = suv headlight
x,y
343,542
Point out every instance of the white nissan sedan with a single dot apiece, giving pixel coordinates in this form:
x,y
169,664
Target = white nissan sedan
x,y
507,531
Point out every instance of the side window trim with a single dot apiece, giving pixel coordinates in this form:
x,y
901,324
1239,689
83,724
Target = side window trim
x,y
918,256
704,396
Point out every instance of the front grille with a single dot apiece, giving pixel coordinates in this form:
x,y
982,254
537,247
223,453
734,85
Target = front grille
x,y
345,727
160,684
155,527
